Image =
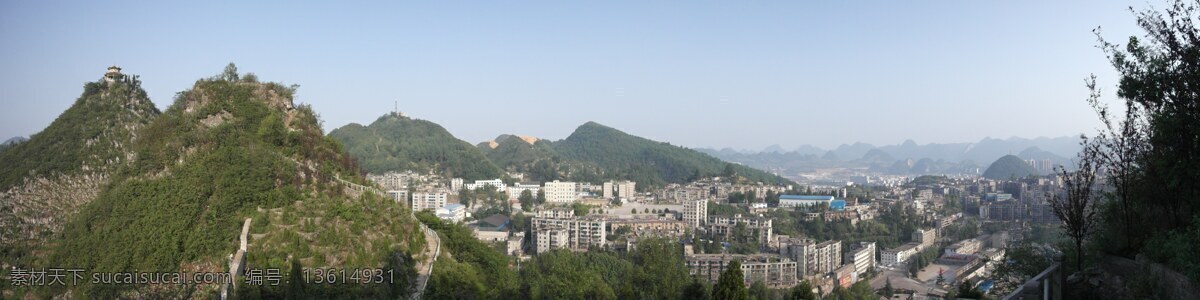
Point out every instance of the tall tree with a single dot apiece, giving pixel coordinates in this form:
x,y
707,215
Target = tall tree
x,y
1152,156
731,285
758,291
465,196
230,73
697,290
802,291
526,200
1075,206
888,290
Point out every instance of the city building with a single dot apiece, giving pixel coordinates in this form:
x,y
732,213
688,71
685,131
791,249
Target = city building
x,y
556,213
394,180
997,196
650,227
695,212
401,196
760,228
861,180
551,237
428,200
1002,211
967,246
515,191
898,256
560,192
812,258
456,184
772,270
452,212
811,201
681,193
582,233
494,228
495,183
862,256
845,276
622,189
925,237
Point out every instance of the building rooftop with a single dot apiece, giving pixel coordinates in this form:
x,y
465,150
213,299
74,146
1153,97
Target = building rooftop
x,y
805,197
497,221
837,204
905,247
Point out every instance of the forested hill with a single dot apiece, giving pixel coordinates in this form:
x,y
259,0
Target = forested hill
x,y
1009,166
395,143
228,149
621,155
45,179
511,150
92,134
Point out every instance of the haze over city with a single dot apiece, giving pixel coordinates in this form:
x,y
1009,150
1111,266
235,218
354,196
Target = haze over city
x,y
700,75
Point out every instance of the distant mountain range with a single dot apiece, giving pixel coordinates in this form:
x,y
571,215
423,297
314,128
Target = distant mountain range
x,y
906,158
593,153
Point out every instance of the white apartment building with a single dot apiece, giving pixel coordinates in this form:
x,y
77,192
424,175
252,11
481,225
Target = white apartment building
x,y
898,256
514,192
622,189
560,192
695,212
456,184
862,257
550,238
428,200
452,212
495,183
401,196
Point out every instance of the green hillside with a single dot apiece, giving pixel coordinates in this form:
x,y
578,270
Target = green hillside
x,y
396,143
538,160
94,133
1009,166
593,153
513,151
45,179
228,149
619,155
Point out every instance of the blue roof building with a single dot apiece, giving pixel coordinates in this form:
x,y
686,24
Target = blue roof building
x,y
811,200
838,205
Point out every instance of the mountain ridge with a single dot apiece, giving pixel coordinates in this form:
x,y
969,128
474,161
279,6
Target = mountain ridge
x,y
46,178
943,158
227,150
593,153
394,142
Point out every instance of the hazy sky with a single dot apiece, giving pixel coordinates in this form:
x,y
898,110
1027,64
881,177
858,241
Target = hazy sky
x,y
701,74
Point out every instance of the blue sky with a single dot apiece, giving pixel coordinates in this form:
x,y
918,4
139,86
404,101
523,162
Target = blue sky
x,y
700,74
